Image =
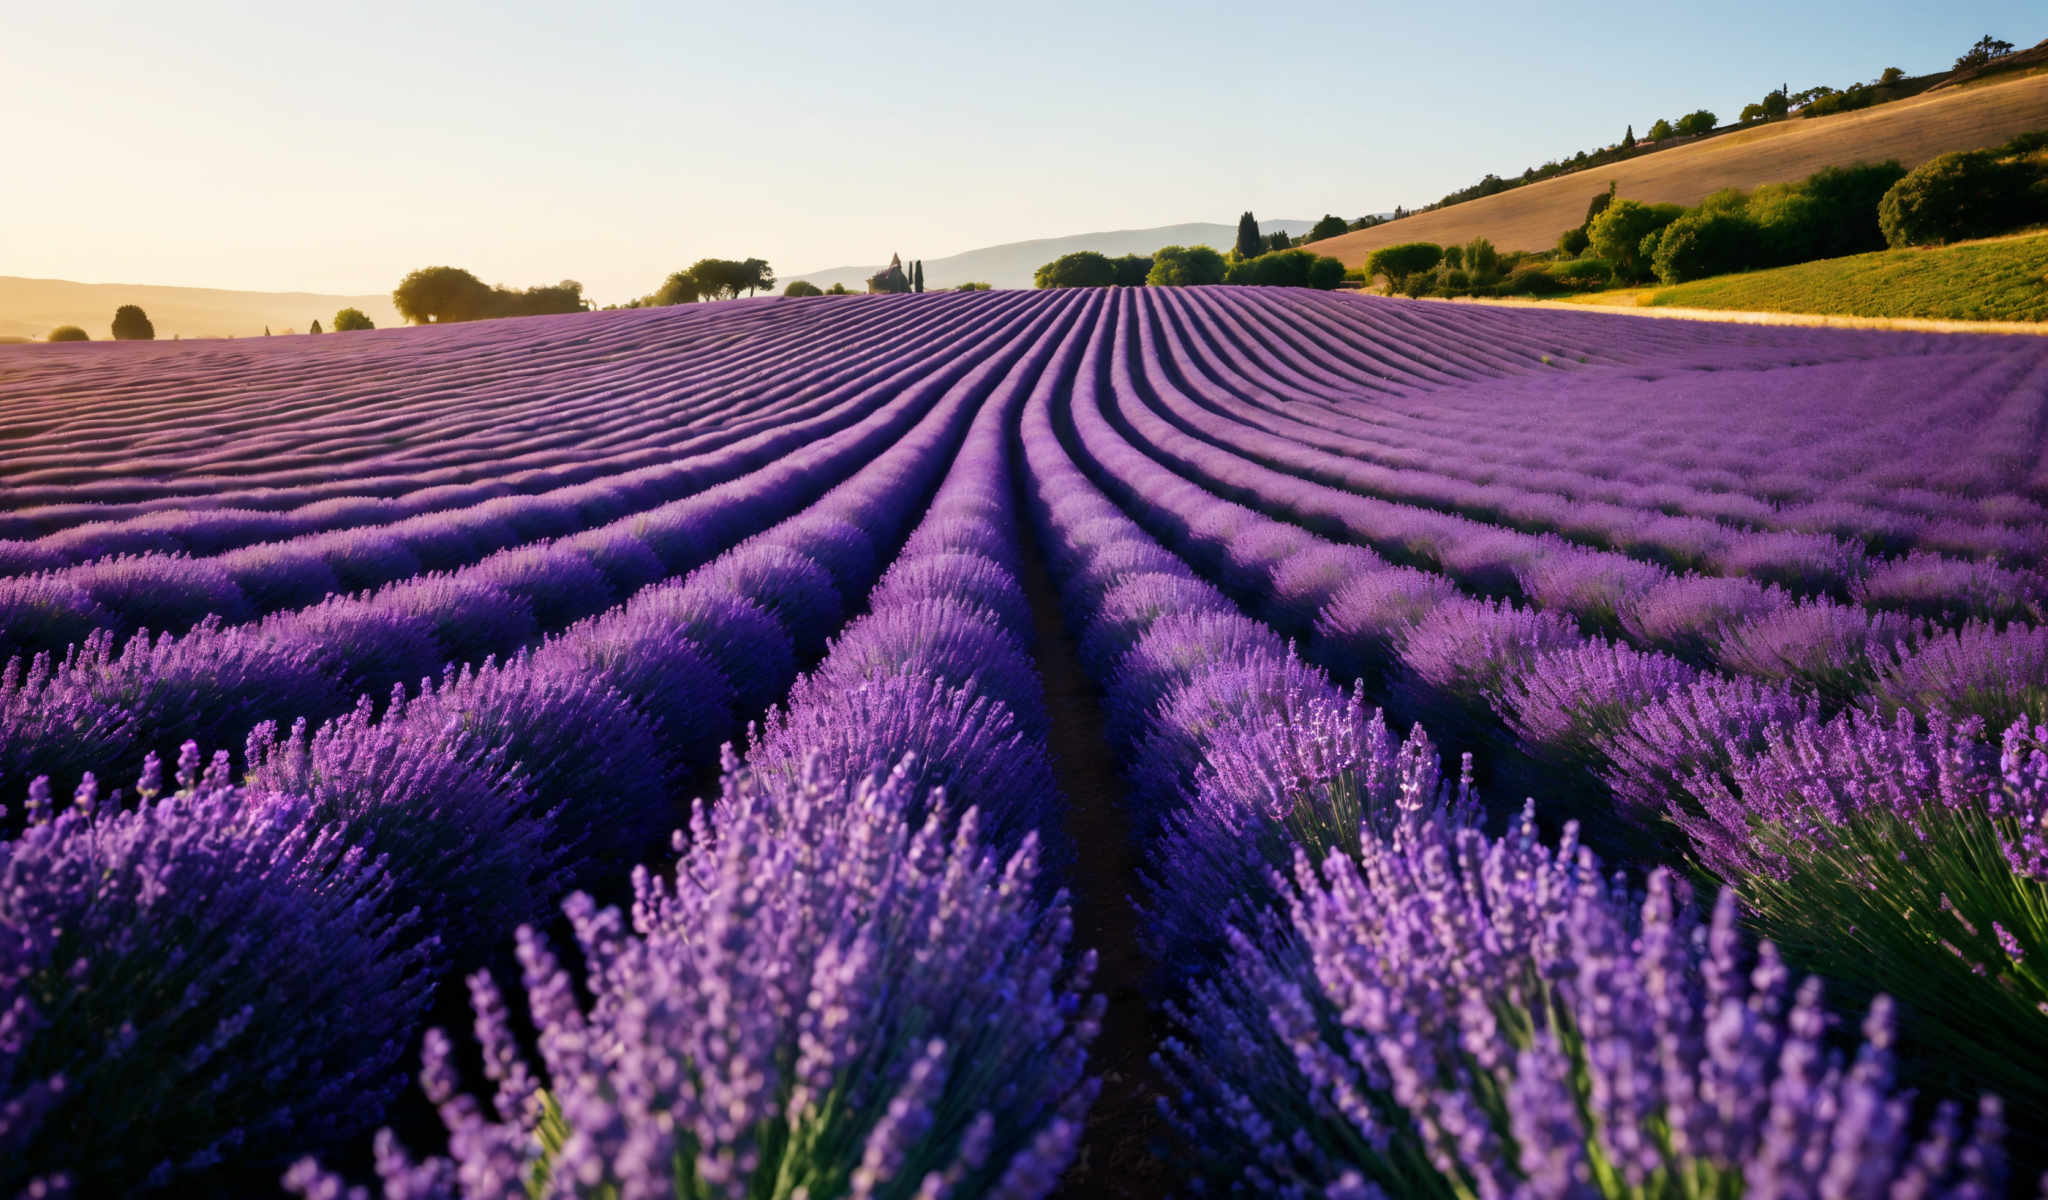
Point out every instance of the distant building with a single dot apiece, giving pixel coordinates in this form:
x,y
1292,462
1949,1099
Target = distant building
x,y
892,279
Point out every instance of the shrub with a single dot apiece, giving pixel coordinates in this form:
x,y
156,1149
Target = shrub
x,y
131,324
1482,260
1573,242
800,287
1659,130
1585,274
1330,226
1701,244
974,287
1964,195
1401,261
69,333
1185,266
349,319
1083,268
1287,268
1534,279
1617,234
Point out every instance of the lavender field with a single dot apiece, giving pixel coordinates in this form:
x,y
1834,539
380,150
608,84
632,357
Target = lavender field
x,y
1089,742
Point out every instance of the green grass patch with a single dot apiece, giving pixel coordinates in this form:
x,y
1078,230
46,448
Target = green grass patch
x,y
1999,279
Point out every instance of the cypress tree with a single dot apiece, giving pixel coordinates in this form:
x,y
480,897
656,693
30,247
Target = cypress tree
x,y
1628,140
917,276
1249,243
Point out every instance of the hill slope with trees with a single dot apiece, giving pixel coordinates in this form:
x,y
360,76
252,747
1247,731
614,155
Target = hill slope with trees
x,y
1911,131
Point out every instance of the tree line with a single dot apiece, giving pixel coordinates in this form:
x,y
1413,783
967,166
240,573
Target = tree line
x,y
1265,260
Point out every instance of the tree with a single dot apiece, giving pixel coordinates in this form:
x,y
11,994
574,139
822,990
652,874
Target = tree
x,y
1398,262
1482,261
1968,194
440,295
975,286
1617,234
131,324
1778,103
1659,130
1329,227
1249,243
351,319
1278,241
1185,266
542,300
1132,269
1573,242
1986,49
917,276
69,333
679,288
1696,122
1843,206
890,280
1083,268
837,289
1597,205
315,328
1891,76
1628,140
802,288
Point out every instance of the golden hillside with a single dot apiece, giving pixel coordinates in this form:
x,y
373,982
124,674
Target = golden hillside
x,y
1912,131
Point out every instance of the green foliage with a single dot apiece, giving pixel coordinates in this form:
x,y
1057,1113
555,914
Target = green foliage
x,y
1703,243
1185,266
803,287
1878,904
1617,234
1696,122
1132,269
563,297
131,324
1401,261
1982,281
679,288
1249,242
1660,129
1278,240
725,278
348,320
1082,268
69,333
839,289
1844,204
315,327
973,287
1969,194
1891,76
1287,268
1573,242
1534,279
1482,259
441,296
1583,274
1329,227
1597,205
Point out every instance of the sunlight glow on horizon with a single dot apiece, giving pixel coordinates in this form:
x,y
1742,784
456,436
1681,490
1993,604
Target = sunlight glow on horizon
x,y
333,150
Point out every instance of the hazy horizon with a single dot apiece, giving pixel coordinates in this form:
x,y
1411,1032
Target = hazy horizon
x,y
331,152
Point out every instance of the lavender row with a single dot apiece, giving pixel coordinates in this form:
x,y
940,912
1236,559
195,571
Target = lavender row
x,y
438,406
1504,450
716,417
956,1037
1284,1073
486,794
170,593
1318,485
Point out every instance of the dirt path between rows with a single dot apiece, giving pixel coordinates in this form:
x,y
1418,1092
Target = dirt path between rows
x,y
1117,1158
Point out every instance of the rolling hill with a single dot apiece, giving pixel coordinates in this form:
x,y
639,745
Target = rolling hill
x,y
30,308
1010,265
1911,130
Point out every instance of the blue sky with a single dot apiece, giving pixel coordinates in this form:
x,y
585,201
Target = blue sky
x,y
333,147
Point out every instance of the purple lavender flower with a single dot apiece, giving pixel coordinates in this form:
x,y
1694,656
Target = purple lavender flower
x,y
826,994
